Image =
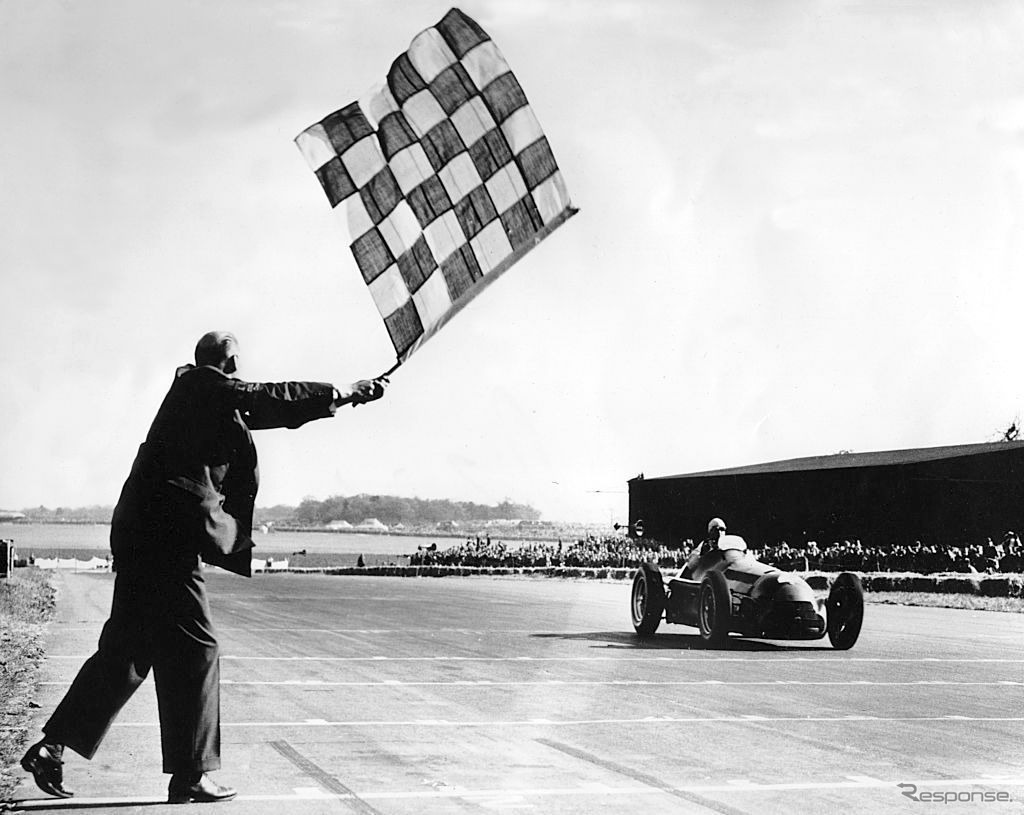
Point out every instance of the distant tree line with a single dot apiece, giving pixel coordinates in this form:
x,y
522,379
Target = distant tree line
x,y
388,509
392,509
95,514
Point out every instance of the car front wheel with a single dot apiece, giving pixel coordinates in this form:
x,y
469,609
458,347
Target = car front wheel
x,y
647,601
845,608
715,610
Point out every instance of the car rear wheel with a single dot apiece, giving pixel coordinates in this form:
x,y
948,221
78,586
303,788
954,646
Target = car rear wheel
x,y
647,602
845,607
715,609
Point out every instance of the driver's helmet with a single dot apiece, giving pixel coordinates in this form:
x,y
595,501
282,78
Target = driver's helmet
x,y
716,524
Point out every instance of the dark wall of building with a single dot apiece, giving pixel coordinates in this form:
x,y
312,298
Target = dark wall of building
x,y
953,500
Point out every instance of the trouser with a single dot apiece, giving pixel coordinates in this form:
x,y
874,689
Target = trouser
x,y
159,618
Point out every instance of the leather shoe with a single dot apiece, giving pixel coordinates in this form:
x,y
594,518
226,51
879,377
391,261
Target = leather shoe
x,y
185,788
47,770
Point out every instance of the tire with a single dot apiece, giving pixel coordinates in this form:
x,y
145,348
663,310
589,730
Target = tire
x,y
845,608
647,600
714,610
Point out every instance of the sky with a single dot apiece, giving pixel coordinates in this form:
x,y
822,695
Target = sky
x,y
801,231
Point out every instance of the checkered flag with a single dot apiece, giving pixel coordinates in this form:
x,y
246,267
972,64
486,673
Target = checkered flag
x,y
443,175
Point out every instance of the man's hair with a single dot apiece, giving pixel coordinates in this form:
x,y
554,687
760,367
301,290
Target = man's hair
x,y
215,347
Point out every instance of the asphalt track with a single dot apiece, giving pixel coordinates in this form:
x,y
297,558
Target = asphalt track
x,y
471,695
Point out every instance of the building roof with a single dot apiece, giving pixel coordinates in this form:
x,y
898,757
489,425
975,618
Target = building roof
x,y
371,523
840,461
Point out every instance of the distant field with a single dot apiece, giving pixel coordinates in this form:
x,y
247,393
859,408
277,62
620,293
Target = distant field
x,y
64,540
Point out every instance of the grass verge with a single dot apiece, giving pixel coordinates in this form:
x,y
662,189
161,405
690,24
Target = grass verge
x,y
974,602
26,604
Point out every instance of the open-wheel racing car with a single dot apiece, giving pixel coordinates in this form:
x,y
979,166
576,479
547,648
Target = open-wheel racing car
x,y
727,590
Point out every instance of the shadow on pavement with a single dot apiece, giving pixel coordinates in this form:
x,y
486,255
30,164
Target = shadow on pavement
x,y
71,804
675,642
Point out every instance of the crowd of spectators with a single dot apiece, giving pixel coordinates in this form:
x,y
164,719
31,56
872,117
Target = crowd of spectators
x,y
989,557
1006,556
591,552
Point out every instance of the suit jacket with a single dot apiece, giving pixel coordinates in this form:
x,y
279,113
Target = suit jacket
x,y
192,487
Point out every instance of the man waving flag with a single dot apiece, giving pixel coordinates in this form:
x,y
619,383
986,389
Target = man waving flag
x,y
443,176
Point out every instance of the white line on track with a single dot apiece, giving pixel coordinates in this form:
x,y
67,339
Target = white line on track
x,y
818,659
648,720
860,784
80,626
548,683
616,682
92,626
418,630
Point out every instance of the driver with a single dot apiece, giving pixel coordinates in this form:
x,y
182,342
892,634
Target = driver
x,y
716,528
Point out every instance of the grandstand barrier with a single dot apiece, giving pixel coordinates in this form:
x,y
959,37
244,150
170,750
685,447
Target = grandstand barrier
x,y
93,564
268,565
988,585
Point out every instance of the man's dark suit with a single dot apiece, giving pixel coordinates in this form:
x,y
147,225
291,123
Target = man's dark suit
x,y
190,496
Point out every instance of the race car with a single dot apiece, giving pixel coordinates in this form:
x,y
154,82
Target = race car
x,y
727,590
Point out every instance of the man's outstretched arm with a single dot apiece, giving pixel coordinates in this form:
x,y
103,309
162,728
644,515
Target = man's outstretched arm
x,y
266,405
365,390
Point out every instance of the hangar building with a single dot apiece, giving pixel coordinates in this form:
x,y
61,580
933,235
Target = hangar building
x,y
957,494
